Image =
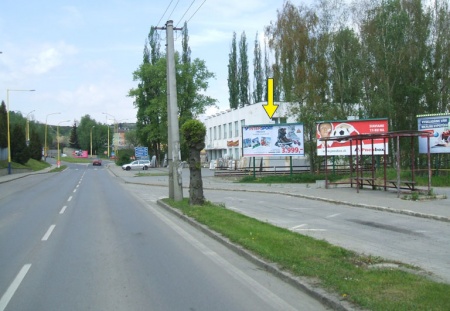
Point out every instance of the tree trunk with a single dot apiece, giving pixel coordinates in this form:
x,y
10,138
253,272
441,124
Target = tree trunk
x,y
195,183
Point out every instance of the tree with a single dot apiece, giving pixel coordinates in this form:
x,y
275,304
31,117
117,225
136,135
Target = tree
x,y
346,73
243,73
151,93
19,150
194,132
36,146
73,142
258,73
233,80
3,126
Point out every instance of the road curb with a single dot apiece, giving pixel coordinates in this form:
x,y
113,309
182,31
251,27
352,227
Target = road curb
x,y
316,292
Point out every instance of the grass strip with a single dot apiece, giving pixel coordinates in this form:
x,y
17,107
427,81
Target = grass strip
x,y
336,269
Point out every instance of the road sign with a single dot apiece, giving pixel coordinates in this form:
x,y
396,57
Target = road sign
x,y
140,152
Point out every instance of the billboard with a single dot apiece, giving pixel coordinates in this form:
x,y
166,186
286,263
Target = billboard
x,y
439,126
273,140
330,129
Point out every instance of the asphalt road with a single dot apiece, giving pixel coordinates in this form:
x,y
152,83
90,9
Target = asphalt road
x,y
417,241
83,240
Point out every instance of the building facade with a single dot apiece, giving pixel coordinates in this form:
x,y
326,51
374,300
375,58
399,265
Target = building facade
x,y
224,132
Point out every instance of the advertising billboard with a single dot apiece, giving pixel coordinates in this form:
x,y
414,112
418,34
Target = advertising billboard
x,y
273,140
439,126
325,129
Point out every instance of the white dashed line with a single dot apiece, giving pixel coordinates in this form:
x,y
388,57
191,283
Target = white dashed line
x,y
69,199
13,287
297,227
47,234
63,209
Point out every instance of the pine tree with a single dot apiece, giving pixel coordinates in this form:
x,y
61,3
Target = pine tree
x,y
35,146
73,143
3,126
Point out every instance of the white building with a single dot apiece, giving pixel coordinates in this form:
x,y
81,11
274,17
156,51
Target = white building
x,y
224,137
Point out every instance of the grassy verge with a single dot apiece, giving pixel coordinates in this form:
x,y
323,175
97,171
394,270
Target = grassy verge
x,y
391,174
338,270
31,164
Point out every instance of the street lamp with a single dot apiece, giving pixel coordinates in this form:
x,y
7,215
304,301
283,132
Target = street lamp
x,y
107,114
58,162
28,128
91,138
45,135
7,124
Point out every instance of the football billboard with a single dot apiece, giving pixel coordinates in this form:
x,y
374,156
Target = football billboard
x,y
273,140
439,126
331,129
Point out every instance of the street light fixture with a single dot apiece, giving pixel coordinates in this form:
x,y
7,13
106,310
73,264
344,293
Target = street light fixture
x,y
91,138
45,135
7,124
58,162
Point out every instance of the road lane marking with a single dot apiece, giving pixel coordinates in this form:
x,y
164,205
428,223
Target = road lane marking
x,y
74,190
311,229
69,199
299,226
47,234
63,209
13,287
334,215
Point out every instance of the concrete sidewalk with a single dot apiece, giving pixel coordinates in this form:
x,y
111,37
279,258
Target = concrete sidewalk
x,y
438,209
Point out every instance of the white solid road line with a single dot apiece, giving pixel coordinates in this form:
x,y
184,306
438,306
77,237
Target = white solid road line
x,y
13,287
47,234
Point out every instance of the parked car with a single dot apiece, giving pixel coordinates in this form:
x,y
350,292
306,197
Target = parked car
x,y
137,165
97,162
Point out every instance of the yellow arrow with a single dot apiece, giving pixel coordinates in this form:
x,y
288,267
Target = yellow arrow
x,y
270,107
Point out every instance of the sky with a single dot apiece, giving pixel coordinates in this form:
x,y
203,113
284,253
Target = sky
x,y
79,56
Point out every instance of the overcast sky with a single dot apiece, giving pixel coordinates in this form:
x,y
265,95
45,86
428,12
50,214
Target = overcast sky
x,y
79,55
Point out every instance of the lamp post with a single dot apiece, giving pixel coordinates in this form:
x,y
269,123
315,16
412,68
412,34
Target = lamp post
x,y
28,128
107,114
58,162
45,135
91,138
7,124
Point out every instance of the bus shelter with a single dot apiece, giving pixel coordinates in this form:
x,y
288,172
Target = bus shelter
x,y
357,176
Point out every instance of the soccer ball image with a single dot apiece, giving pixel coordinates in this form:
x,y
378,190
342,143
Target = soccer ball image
x,y
344,129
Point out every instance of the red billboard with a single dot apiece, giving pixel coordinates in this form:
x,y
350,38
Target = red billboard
x,y
329,129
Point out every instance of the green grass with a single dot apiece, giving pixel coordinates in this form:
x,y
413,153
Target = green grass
x,y
32,164
76,160
338,270
391,174
294,178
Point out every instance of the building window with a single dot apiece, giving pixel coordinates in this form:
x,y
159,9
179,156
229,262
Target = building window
x,y
220,131
230,129
210,135
236,129
225,131
215,132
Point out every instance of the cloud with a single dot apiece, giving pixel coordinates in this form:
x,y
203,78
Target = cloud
x,y
48,57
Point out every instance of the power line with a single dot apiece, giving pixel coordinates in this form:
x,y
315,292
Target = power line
x,y
173,9
164,13
185,13
196,11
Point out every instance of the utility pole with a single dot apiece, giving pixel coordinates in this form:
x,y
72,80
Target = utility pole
x,y
174,153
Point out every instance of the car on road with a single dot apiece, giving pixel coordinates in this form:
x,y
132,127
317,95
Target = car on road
x,y
97,162
137,165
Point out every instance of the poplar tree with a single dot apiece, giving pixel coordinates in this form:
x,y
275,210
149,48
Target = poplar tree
x,y
243,72
233,81
258,73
